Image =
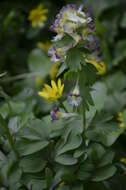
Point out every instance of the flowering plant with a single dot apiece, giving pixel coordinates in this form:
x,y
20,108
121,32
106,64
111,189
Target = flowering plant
x,y
70,145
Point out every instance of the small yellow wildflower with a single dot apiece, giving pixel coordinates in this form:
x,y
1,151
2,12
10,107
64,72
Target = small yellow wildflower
x,y
44,46
54,70
38,81
53,92
120,120
101,67
38,16
61,184
123,160
120,117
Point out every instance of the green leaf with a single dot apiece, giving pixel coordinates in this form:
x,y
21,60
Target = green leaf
x,y
35,129
14,174
77,187
3,159
123,21
104,173
32,163
73,59
99,95
96,152
39,62
85,170
107,159
66,159
124,117
102,5
72,143
37,184
106,133
116,82
65,41
26,147
49,177
79,152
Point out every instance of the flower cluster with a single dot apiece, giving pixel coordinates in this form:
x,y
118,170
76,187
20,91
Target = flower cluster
x,y
79,25
38,16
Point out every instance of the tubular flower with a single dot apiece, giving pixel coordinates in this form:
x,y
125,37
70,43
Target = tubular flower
x,y
53,92
58,54
79,25
120,120
57,114
74,97
44,46
69,20
38,16
54,70
100,66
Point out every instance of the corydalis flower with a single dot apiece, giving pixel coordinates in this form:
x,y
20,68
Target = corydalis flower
x,y
57,114
74,98
100,66
38,16
69,20
53,92
58,53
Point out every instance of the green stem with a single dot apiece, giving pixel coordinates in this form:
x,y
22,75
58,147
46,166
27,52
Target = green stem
x,y
84,122
19,77
9,137
62,106
5,96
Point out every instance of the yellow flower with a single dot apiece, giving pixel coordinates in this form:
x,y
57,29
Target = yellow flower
x,y
44,46
38,16
61,184
120,120
53,92
120,117
54,70
38,81
101,67
123,160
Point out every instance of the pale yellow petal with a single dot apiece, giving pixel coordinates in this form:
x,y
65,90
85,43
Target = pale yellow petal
x,y
59,83
54,85
47,87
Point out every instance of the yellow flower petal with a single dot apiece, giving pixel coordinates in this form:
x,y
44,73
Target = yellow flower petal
x,y
54,85
101,67
38,16
53,92
59,83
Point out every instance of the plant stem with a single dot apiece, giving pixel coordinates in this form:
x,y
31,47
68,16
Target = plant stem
x,y
6,97
9,137
19,77
84,122
62,106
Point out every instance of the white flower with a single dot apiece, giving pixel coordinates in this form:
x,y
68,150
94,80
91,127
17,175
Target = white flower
x,y
74,98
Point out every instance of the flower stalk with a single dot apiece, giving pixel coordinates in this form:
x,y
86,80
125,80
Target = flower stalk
x,y
9,137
